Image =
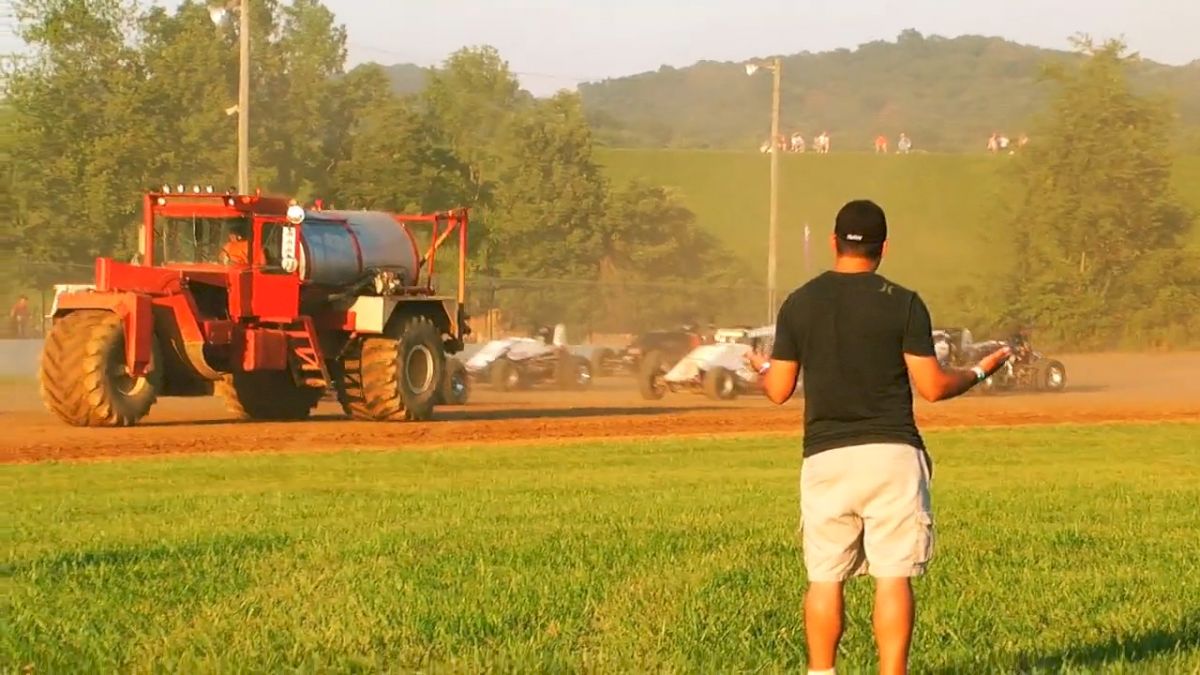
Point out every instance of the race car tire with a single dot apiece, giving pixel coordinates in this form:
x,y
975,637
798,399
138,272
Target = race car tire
x,y
456,385
1051,376
599,361
574,373
650,377
506,375
719,384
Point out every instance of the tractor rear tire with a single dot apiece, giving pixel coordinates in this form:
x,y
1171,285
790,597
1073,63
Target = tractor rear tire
x,y
83,379
651,371
719,384
267,395
456,386
392,379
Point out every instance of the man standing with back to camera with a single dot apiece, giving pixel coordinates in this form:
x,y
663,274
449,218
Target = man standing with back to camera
x,y
864,483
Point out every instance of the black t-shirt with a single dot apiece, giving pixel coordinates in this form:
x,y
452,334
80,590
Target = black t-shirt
x,y
849,333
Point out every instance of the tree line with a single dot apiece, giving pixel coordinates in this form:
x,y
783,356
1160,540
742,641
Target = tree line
x,y
117,97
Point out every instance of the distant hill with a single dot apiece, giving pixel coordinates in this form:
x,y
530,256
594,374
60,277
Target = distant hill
x,y
947,94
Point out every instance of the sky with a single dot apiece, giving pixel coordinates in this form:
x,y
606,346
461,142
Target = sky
x,y
555,44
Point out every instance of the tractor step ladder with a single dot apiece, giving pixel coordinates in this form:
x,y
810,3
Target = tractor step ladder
x,y
310,363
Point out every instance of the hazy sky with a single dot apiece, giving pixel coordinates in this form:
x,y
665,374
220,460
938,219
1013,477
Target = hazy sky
x,y
556,43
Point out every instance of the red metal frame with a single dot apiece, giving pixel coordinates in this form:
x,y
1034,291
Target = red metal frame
x,y
457,221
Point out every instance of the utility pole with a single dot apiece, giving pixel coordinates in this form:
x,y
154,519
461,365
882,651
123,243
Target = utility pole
x,y
244,100
772,237
775,65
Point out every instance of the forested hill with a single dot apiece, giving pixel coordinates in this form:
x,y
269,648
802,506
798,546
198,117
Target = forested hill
x,y
406,78
947,94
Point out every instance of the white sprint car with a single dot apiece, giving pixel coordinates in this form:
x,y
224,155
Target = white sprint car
x,y
719,369
520,362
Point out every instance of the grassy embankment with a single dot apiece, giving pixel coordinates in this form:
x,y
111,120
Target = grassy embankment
x,y
943,209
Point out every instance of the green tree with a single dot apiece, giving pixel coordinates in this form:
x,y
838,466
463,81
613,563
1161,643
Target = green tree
x,y
474,99
547,207
307,55
393,162
79,128
657,265
190,68
1098,228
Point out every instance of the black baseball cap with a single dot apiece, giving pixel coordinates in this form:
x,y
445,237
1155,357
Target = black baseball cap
x,y
861,221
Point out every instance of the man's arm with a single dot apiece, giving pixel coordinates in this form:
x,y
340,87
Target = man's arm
x,y
779,380
778,374
937,384
933,382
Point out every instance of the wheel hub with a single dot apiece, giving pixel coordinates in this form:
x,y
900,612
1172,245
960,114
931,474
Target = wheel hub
x,y
120,378
418,369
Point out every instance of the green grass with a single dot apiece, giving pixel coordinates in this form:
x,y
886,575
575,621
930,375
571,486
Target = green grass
x,y
941,208
1058,549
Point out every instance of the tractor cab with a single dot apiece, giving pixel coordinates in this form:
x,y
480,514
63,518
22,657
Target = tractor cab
x,y
205,229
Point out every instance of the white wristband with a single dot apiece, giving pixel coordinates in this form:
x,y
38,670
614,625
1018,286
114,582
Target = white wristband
x,y
980,373
765,367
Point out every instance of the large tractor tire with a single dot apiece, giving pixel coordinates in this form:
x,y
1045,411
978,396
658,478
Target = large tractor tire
x,y
507,375
456,386
1051,376
83,378
573,373
651,372
267,395
719,384
394,378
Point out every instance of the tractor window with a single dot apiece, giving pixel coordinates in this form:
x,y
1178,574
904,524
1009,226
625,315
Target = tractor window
x,y
221,241
272,248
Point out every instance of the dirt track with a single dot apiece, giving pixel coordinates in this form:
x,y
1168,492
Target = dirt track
x,y
1101,388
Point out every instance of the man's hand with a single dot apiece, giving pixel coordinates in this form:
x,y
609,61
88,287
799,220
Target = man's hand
x,y
779,382
756,360
936,384
994,361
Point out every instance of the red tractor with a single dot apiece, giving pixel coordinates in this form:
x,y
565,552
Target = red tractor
x,y
266,304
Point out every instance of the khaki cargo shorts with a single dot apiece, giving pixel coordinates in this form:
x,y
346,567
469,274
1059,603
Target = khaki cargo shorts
x,y
865,509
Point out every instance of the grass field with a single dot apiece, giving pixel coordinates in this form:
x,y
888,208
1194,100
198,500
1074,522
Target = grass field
x,y
1058,549
942,208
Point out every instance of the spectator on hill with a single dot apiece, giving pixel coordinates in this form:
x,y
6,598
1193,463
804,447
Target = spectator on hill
x,y
881,144
821,144
797,142
993,143
904,144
